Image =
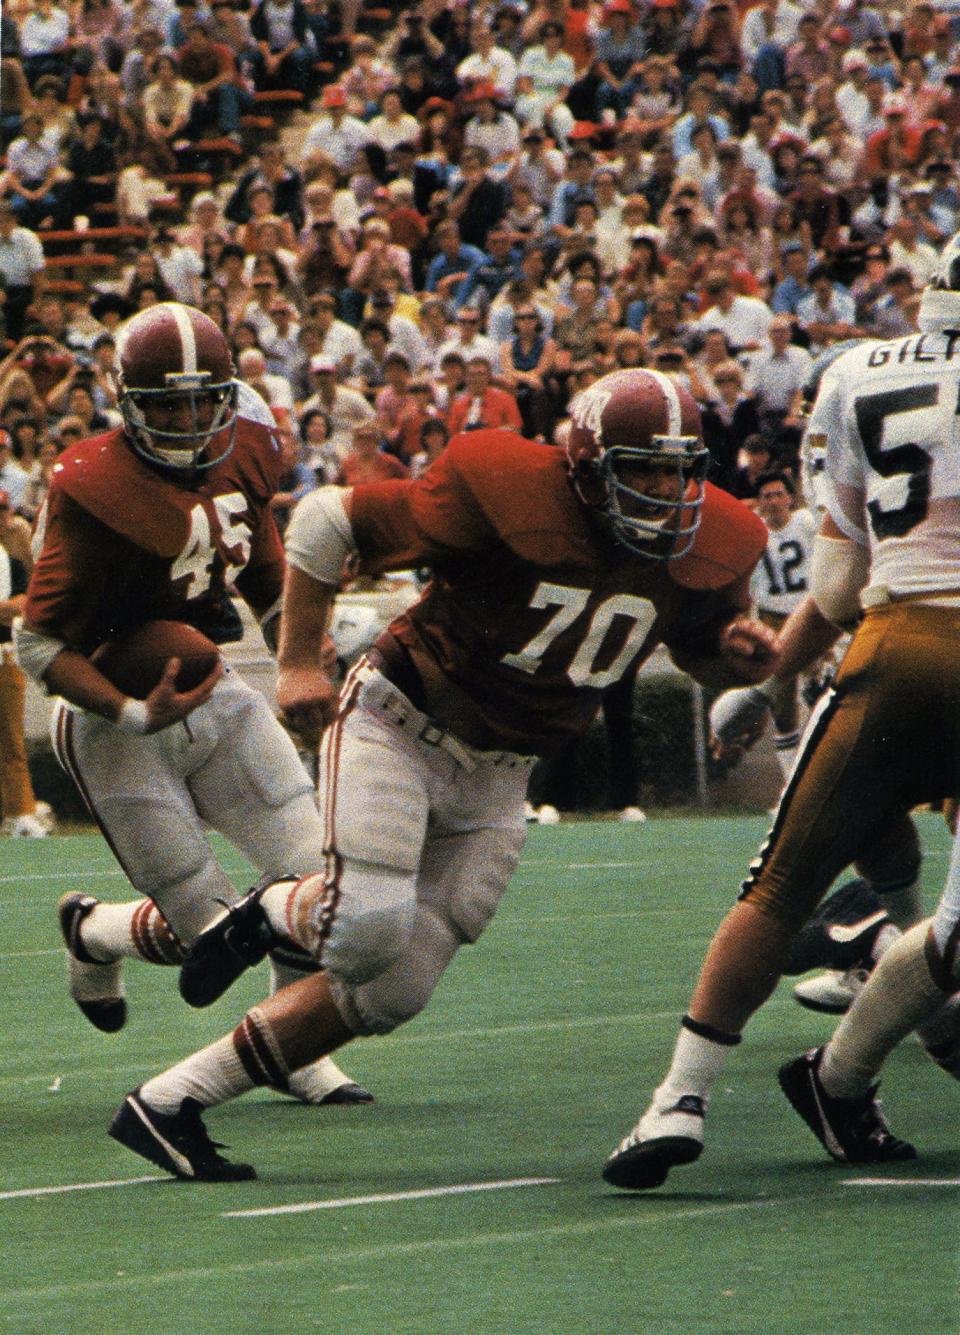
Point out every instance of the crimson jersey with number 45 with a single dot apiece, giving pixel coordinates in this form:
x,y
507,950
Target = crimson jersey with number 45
x,y
121,543
533,610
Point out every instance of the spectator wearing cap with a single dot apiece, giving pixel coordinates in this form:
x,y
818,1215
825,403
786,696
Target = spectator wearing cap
x,y
871,283
618,56
335,134
405,335
378,255
828,314
890,150
451,271
544,78
345,408
795,283
917,201
284,54
488,62
667,31
483,404
492,129
851,97
21,269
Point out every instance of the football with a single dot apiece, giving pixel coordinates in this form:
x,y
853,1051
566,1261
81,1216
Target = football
x,y
134,662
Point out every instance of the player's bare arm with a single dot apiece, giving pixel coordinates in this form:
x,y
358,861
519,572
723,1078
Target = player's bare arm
x,y
306,692
81,683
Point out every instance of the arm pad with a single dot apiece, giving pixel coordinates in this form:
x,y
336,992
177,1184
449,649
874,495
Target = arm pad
x,y
35,652
319,536
839,570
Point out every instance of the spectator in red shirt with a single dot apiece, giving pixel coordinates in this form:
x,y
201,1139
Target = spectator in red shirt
x,y
211,69
482,404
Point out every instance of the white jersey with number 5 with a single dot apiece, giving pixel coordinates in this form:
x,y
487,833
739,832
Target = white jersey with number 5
x,y
889,412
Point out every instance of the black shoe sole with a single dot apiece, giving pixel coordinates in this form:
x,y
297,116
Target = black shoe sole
x,y
647,1165
795,1080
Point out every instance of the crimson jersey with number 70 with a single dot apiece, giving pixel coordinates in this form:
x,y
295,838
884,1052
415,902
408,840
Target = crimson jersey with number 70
x,y
121,543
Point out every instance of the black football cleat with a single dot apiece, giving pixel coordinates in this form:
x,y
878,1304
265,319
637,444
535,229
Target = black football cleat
x,y
842,932
95,985
177,1142
233,943
850,1130
664,1138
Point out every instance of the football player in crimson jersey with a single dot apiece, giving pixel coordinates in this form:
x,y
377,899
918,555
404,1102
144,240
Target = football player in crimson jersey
x,y
553,573
153,521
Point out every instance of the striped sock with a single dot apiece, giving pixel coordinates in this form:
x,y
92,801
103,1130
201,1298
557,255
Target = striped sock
x,y
135,930
248,1057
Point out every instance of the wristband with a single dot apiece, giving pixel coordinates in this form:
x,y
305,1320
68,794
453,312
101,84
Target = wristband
x,y
133,717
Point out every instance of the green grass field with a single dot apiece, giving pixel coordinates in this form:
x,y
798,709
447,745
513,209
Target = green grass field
x,y
536,1055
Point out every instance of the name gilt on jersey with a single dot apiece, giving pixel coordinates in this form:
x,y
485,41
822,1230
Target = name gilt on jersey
x,y
915,350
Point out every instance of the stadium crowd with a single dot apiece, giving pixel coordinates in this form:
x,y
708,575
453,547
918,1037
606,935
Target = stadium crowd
x,y
476,210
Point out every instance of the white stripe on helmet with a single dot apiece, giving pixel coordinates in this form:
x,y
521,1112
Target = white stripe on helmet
x,y
674,414
188,342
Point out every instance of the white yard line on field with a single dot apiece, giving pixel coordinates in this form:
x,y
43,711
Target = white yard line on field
x,y
30,1192
385,1197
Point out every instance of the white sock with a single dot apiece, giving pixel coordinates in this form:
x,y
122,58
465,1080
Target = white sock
x,y
212,1075
899,994
134,930
697,1062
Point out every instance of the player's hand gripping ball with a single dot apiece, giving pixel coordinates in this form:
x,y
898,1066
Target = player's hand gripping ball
x,y
135,662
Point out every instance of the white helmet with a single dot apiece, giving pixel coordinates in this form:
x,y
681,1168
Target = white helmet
x,y
940,299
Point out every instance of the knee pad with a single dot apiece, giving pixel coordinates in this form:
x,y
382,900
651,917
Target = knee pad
x,y
402,992
359,924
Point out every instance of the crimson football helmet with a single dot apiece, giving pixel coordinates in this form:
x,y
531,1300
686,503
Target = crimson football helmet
x,y
627,424
178,396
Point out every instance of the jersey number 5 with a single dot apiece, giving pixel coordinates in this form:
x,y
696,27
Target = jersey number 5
x,y
907,460
569,604
196,559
